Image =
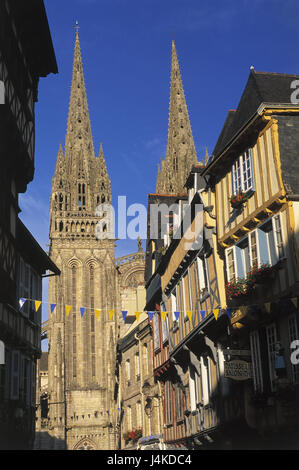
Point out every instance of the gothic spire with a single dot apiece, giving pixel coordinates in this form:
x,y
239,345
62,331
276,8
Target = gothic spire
x,y
79,136
180,153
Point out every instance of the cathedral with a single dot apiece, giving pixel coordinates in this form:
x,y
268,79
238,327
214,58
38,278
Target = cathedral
x,y
75,406
84,325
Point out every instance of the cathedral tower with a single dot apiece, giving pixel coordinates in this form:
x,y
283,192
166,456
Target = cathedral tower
x,y
180,153
81,341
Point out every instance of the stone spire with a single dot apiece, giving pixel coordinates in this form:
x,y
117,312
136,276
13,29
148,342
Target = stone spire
x,y
81,181
180,153
79,134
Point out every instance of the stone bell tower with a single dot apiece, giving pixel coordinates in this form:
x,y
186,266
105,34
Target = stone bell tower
x,y
82,340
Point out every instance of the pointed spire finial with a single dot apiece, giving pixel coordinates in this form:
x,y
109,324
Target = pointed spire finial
x,y
77,27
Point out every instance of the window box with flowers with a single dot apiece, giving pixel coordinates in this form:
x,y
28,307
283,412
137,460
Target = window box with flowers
x,y
132,435
261,274
238,200
238,288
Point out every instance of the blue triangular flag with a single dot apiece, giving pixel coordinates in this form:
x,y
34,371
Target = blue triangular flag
x,y
177,315
82,310
124,314
150,314
52,307
203,314
22,301
229,312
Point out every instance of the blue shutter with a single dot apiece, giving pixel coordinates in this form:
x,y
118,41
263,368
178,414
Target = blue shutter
x,y
239,263
263,246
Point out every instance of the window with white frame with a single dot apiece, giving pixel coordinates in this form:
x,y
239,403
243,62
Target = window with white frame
x,y
271,344
203,276
293,335
242,173
256,361
263,245
156,331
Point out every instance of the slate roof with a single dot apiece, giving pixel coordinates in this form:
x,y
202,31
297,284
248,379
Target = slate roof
x,y
261,87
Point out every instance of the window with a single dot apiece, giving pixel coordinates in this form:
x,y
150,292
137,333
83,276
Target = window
x,y
164,324
203,277
193,386
242,173
128,371
230,264
270,241
256,361
156,331
145,359
137,367
178,403
293,335
129,418
138,415
168,400
262,246
271,343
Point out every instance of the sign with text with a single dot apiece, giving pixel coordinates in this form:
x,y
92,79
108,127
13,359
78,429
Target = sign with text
x,y
238,370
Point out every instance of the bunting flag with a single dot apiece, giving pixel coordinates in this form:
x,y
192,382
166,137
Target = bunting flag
x,y
22,301
203,314
98,311
52,307
268,306
150,315
216,313
68,309
137,315
37,304
177,315
111,313
82,311
229,312
163,315
189,314
124,314
294,301
118,409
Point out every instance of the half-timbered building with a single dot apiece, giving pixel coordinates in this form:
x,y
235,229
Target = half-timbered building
x,y
26,54
254,173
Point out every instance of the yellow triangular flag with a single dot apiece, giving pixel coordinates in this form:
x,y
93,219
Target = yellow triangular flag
x,y
216,313
68,309
189,314
163,315
268,306
37,304
98,311
295,301
111,313
137,315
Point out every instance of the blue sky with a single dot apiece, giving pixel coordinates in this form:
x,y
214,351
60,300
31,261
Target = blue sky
x,y
126,48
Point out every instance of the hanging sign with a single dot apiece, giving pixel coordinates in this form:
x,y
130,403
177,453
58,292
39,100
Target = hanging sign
x,y
238,370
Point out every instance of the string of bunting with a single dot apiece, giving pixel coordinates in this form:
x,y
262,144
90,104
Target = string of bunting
x,y
189,313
